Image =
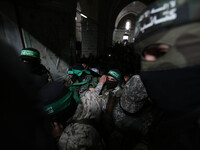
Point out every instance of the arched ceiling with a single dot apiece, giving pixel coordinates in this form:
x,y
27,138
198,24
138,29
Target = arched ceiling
x,y
133,8
122,22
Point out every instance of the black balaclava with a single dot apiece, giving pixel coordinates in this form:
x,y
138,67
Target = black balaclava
x,y
30,55
33,62
111,84
75,77
172,80
171,75
117,75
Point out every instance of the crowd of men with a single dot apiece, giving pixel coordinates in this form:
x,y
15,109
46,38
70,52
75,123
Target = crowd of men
x,y
155,108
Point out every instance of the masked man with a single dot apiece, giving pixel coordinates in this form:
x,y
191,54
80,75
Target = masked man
x,y
168,39
31,58
84,130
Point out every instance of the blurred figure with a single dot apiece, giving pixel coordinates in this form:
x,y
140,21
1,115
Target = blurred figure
x,y
94,71
31,58
126,77
132,117
168,39
58,102
24,123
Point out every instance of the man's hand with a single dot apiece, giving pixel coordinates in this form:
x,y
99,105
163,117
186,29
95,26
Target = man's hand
x,y
102,80
92,89
57,129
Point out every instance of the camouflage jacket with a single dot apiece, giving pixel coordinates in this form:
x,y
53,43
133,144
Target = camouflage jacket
x,y
82,135
127,110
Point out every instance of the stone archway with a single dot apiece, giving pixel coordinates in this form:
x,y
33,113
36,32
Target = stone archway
x,y
128,13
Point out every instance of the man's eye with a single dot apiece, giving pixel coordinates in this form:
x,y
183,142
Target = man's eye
x,y
153,52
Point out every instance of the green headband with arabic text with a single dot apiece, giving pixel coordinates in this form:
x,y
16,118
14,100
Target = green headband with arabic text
x,y
62,103
114,74
30,53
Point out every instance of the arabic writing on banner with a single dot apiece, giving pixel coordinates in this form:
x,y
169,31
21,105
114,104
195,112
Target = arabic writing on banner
x,y
154,16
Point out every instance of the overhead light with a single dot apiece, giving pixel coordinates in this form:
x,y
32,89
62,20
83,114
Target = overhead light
x,y
125,37
128,25
83,15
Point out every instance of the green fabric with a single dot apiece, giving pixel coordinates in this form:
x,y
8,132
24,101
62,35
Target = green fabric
x,y
78,72
76,97
114,74
64,102
74,88
59,105
70,72
30,53
90,82
80,83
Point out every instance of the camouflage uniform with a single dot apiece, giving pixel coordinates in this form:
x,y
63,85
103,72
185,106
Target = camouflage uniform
x,y
78,88
90,82
131,122
79,135
132,100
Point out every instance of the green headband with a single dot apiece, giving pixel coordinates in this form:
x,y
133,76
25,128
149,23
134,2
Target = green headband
x,y
62,103
78,72
163,14
59,105
70,72
30,53
114,74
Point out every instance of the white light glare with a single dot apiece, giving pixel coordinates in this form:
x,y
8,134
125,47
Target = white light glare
x,y
83,15
125,37
128,25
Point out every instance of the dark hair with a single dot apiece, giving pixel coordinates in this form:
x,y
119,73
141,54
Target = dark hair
x,y
78,66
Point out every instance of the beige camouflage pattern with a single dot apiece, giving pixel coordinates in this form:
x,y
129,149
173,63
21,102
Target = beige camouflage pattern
x,y
131,123
133,98
92,105
78,136
133,95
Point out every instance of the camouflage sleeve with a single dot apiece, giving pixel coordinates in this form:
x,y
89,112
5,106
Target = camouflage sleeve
x,y
98,88
134,94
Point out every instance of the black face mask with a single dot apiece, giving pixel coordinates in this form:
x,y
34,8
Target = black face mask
x,y
74,78
111,84
34,66
174,90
